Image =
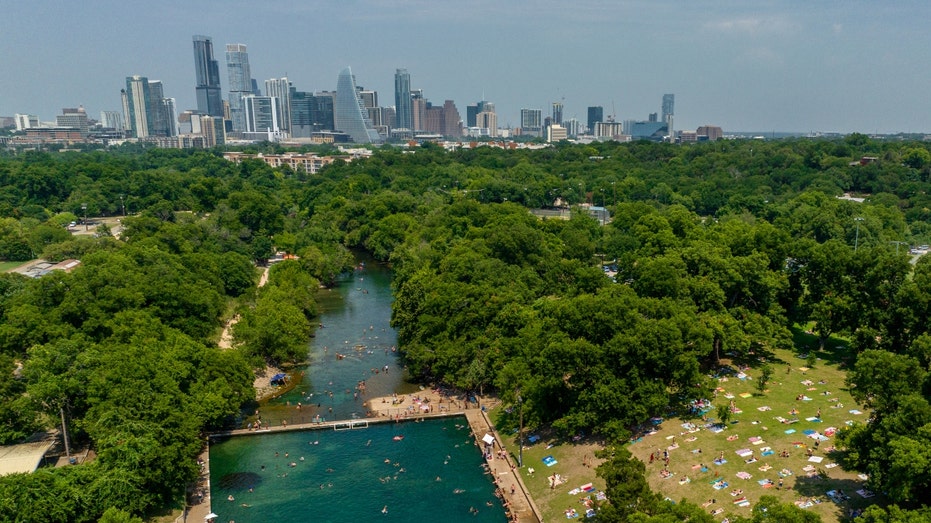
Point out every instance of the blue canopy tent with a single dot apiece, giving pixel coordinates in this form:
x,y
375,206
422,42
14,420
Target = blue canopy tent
x,y
279,379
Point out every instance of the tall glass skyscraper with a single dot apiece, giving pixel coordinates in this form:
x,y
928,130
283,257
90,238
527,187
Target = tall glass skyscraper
x,y
351,116
402,99
669,110
137,105
207,77
595,115
669,105
240,78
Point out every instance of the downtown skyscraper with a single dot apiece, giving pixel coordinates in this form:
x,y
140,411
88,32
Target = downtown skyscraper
x,y
207,77
240,79
280,88
146,110
350,114
402,99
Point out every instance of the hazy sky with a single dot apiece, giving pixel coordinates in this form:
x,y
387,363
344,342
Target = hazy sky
x,y
744,65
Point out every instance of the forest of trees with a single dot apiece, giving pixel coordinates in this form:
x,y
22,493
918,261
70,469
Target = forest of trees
x,y
720,249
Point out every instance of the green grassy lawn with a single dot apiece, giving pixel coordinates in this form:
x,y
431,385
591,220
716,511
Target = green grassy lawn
x,y
576,464
757,419
9,265
822,385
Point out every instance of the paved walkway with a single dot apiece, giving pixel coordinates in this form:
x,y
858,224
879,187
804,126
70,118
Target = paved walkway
x,y
507,476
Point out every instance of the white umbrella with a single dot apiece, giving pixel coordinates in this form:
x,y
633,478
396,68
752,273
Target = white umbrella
x,y
211,516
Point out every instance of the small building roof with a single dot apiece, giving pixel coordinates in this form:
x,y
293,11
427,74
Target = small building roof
x,y
23,458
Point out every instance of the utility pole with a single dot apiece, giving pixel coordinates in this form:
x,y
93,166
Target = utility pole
x,y
520,432
64,432
84,208
856,239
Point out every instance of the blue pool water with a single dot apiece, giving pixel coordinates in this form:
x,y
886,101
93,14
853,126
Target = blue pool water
x,y
352,475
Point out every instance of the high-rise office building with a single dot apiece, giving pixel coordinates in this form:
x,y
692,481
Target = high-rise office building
x,y
669,105
147,112
160,110
137,105
168,115
302,114
531,122
111,120
402,99
471,112
325,110
433,119
280,88
391,118
76,118
452,122
573,127
595,115
351,116
557,113
207,77
261,114
240,78
418,110
487,120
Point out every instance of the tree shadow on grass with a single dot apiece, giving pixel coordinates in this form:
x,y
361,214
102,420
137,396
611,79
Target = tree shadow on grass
x,y
845,497
837,351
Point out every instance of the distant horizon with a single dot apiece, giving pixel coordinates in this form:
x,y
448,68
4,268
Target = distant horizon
x,y
854,67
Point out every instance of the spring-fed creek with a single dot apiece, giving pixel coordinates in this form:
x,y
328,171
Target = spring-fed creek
x,y
408,471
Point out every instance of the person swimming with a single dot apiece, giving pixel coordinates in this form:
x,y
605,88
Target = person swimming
x,y
384,510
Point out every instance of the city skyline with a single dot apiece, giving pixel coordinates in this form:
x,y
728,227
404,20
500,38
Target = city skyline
x,y
856,66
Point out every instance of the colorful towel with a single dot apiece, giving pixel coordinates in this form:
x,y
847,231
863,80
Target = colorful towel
x,y
549,461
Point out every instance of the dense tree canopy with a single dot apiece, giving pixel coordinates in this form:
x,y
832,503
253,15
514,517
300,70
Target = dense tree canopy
x,y
596,325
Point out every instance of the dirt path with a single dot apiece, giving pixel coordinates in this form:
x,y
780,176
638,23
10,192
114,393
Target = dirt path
x,y
226,337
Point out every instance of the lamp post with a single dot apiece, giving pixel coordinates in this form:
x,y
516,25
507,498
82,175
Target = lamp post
x,y
122,205
520,432
856,239
84,208
897,244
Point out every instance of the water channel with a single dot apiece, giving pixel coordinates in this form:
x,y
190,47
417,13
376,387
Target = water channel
x,y
399,472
